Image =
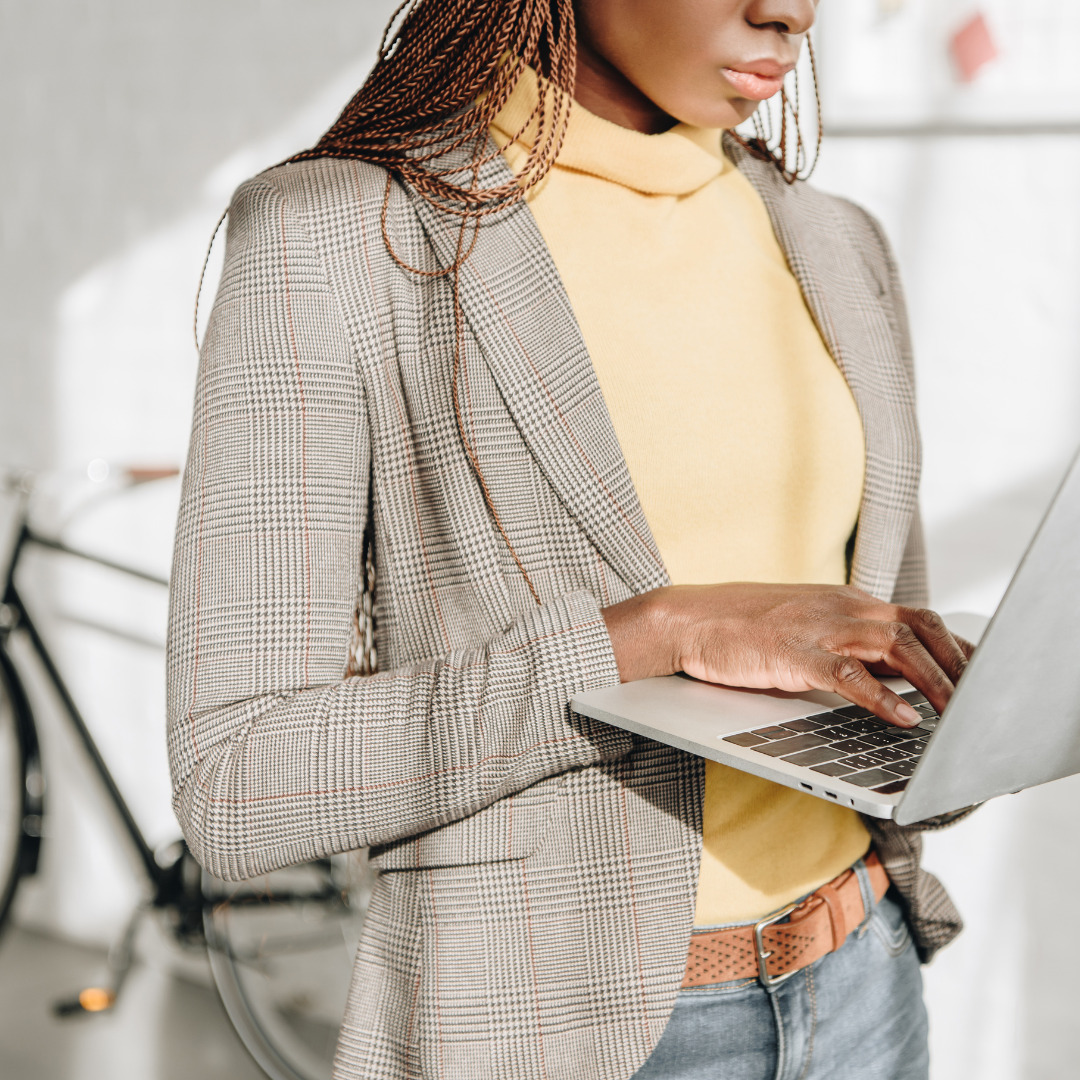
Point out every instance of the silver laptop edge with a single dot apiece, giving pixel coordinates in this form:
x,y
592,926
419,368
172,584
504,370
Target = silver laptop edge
x,y
696,716
1013,722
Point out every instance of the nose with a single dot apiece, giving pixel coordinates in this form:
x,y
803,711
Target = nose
x,y
793,17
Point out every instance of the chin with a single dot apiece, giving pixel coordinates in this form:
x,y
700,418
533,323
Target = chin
x,y
740,111
726,114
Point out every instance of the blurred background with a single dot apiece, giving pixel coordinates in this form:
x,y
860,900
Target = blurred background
x,y
127,125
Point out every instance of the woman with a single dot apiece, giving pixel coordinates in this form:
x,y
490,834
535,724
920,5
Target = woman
x,y
544,374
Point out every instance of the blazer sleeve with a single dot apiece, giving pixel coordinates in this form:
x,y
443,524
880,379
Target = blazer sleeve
x,y
276,757
912,587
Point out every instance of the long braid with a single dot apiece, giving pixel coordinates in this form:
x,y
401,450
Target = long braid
x,y
439,82
780,141
445,70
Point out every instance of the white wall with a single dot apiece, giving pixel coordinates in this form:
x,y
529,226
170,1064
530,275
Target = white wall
x,y
136,124
987,232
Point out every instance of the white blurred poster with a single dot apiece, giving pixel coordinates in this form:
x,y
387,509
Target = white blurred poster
x,y
890,62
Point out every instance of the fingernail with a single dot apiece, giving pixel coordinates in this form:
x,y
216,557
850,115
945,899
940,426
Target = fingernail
x,y
907,714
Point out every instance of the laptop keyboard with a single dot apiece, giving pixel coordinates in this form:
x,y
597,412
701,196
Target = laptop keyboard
x,y
851,743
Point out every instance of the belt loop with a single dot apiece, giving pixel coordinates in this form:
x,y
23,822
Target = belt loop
x,y
831,897
868,898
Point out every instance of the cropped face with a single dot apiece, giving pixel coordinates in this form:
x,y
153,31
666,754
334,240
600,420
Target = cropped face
x,y
709,63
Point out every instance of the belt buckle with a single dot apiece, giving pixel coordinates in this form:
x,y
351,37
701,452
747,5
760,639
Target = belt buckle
x,y
767,980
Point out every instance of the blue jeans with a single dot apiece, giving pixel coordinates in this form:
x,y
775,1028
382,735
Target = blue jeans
x,y
855,1014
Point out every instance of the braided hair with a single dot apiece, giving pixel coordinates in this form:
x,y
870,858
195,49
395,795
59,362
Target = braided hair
x,y
445,69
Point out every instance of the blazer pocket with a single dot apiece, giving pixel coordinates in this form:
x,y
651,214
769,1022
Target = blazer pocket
x,y
512,828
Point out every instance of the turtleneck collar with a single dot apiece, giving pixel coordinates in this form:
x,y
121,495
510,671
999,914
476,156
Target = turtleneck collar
x,y
675,162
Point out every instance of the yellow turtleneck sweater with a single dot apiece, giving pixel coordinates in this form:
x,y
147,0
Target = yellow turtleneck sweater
x,y
740,433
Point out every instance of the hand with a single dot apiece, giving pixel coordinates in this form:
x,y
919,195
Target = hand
x,y
790,637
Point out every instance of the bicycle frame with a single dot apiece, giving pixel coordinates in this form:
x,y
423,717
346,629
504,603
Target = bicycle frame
x,y
32,795
17,618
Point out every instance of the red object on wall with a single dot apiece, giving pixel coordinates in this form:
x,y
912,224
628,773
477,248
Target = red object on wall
x,y
972,47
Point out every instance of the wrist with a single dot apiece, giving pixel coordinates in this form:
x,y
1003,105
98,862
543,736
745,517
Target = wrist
x,y
644,635
669,624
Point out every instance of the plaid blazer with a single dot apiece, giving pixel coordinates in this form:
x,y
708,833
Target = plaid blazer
x,y
538,869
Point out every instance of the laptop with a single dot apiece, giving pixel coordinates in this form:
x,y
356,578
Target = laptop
x,y
1013,722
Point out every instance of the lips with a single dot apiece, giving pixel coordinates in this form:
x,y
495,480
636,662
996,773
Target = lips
x,y
758,80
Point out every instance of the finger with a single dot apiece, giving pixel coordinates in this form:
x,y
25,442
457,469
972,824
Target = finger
x,y
881,669
895,644
848,677
968,648
931,630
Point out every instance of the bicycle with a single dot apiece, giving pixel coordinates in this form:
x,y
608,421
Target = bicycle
x,y
280,947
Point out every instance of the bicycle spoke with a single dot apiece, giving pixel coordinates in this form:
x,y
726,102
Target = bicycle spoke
x,y
270,948
282,898
281,950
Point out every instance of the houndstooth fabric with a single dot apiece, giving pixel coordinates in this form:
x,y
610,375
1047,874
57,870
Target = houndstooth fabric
x,y
538,868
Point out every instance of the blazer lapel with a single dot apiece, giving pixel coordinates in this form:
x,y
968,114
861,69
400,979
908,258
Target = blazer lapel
x,y
514,302
845,300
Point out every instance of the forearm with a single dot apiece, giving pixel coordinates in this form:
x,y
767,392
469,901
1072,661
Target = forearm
x,y
283,779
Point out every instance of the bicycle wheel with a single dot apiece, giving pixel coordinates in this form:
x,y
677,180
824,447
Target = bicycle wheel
x,y
13,763
281,949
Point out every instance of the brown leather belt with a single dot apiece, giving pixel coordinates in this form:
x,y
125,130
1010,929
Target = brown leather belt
x,y
817,926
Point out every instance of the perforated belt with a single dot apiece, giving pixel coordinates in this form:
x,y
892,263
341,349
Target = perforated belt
x,y
773,951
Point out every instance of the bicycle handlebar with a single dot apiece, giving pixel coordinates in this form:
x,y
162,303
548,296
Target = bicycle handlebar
x,y
142,474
